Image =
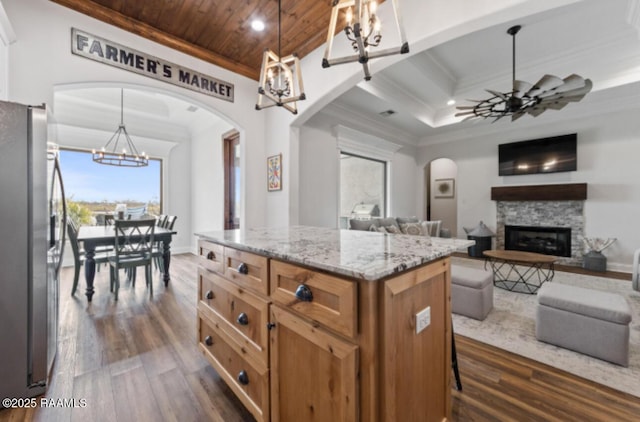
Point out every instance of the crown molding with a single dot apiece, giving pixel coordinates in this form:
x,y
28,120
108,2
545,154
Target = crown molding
x,y
360,143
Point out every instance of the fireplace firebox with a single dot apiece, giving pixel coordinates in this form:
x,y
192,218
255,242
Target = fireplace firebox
x,y
545,240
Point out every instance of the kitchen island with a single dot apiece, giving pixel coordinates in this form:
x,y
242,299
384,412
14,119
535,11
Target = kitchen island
x,y
317,324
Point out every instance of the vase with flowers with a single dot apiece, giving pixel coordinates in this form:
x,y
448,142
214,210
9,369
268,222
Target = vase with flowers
x,y
594,260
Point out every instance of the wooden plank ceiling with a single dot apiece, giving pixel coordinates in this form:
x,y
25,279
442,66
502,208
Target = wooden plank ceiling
x,y
217,31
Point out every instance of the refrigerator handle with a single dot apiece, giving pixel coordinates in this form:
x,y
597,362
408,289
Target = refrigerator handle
x,y
58,175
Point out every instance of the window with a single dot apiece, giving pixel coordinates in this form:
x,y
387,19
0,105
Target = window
x,y
93,188
362,181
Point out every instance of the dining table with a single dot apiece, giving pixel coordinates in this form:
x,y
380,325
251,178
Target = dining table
x,y
94,236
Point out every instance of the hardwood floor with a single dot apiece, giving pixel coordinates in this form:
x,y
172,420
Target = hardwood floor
x,y
137,360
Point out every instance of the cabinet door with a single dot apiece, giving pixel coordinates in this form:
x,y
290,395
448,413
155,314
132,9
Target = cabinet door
x,y
313,372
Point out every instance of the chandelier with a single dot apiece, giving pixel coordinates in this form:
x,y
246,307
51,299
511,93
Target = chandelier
x,y
280,78
550,92
112,155
363,30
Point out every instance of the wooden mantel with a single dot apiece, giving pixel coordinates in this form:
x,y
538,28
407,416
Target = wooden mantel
x,y
558,192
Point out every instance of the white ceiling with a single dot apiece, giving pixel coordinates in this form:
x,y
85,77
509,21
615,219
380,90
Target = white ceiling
x,y
596,39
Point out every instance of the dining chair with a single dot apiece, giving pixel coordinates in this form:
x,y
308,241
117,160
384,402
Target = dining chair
x,y
136,213
169,222
78,253
133,248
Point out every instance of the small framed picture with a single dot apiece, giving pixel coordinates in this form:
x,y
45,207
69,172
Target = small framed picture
x,y
274,172
444,188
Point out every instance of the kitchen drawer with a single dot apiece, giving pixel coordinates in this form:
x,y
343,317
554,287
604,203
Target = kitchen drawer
x,y
249,382
247,269
212,254
240,313
331,301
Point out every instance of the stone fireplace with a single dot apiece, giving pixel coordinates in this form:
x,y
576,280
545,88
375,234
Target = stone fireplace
x,y
529,208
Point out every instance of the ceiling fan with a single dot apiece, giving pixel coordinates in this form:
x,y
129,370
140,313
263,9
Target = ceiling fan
x,y
550,92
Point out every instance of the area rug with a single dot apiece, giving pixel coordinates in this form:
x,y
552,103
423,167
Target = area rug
x,y
511,326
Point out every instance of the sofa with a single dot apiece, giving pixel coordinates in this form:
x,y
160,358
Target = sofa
x,y
399,225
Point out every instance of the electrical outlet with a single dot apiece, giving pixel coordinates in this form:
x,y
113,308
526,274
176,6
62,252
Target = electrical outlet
x,y
423,319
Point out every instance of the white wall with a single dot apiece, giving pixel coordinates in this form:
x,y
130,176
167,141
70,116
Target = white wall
x,y
608,147
319,184
444,209
41,60
207,178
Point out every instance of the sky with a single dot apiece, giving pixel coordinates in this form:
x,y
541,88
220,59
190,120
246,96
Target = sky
x,y
86,180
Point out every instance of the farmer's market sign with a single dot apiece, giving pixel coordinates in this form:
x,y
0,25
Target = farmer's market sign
x,y
111,53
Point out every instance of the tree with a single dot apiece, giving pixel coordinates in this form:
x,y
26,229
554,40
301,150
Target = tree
x,y
80,214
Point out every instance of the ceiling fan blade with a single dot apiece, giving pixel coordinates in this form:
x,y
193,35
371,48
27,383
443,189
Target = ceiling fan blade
x,y
464,113
517,115
558,105
520,88
546,83
473,116
498,94
536,110
465,107
572,83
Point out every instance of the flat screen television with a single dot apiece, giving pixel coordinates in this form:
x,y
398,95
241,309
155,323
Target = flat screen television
x,y
544,155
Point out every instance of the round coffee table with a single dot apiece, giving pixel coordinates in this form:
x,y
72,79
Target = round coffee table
x,y
519,271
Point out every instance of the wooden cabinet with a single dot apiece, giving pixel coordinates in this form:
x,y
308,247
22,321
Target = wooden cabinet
x,y
313,373
298,344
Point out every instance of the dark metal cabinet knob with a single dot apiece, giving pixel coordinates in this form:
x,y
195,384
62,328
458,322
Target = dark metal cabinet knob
x,y
208,340
243,319
211,256
304,293
270,325
243,378
243,268
209,295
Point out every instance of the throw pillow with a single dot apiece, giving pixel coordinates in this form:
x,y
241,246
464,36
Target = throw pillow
x,y
389,221
360,224
404,220
392,229
430,228
411,228
374,228
381,230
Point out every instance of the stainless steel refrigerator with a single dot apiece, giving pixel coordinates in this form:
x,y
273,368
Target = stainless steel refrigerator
x,y
32,236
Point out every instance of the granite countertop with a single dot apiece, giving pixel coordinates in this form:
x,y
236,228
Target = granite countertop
x,y
360,254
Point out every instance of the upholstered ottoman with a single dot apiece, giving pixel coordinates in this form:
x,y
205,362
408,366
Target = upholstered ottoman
x,y
587,321
471,292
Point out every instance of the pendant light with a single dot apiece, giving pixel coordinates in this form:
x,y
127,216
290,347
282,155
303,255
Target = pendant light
x,y
364,31
117,152
280,78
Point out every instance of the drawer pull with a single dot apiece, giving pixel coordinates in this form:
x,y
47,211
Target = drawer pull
x,y
243,269
208,340
243,319
209,295
211,256
304,293
243,378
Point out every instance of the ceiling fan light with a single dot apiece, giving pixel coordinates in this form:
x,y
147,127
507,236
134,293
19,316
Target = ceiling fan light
x,y
549,92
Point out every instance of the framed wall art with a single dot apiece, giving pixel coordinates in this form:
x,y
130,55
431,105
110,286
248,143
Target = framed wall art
x,y
274,173
444,188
